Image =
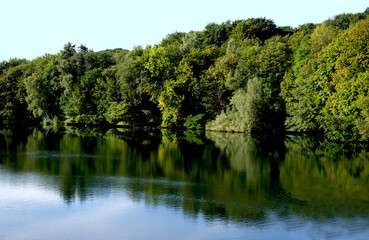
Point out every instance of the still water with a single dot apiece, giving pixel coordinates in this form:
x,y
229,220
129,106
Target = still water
x,y
119,184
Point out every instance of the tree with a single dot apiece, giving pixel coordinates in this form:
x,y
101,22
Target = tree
x,y
249,111
252,28
136,106
325,92
13,105
174,38
294,87
13,62
43,89
322,36
182,95
268,63
161,65
217,34
346,20
216,94
348,81
83,104
190,41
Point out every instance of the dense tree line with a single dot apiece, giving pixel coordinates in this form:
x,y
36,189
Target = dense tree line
x,y
246,75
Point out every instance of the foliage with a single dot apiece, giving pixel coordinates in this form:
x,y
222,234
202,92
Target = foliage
x,y
174,38
194,122
326,89
249,111
190,41
321,37
217,34
13,105
43,89
118,114
246,75
346,20
133,81
255,28
268,63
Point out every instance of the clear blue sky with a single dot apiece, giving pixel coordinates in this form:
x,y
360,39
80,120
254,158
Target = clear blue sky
x,y
31,28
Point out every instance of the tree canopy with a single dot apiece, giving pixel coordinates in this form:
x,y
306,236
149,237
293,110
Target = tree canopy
x,y
246,76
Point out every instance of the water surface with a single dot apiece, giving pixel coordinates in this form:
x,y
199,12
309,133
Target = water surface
x,y
119,184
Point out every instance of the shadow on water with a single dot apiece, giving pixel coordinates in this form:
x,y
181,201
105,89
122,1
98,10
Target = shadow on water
x,y
223,176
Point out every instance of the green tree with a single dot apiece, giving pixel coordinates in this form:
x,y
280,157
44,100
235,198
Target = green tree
x,y
13,105
44,89
216,94
13,62
135,106
190,41
217,34
174,38
322,36
249,111
269,63
294,87
182,96
346,20
347,81
252,28
83,105
324,93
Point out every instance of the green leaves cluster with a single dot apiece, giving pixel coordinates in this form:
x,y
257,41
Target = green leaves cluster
x,y
327,91
245,76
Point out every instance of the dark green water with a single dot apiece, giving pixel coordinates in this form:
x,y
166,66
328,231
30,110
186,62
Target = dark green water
x,y
89,184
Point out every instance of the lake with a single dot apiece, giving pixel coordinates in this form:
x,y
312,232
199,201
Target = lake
x,y
122,184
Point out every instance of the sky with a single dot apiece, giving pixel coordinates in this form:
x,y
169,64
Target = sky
x,y
30,29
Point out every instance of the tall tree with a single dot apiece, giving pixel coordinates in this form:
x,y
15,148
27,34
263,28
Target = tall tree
x,y
44,89
13,105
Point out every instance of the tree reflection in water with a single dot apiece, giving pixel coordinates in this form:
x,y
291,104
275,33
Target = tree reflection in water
x,y
231,177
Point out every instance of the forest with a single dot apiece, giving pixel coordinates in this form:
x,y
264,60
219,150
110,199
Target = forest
x,y
240,76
